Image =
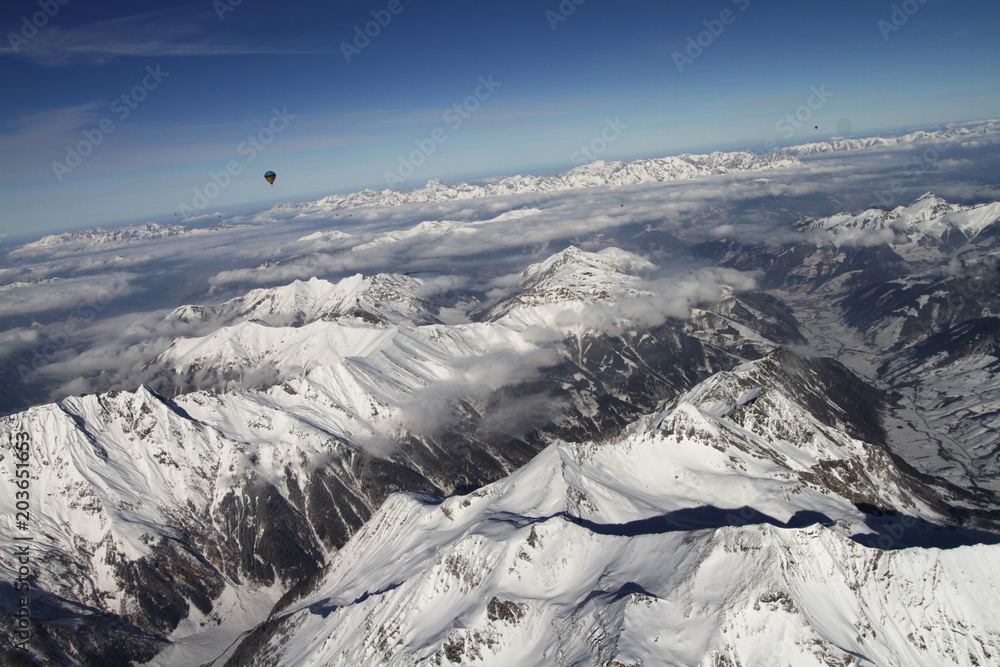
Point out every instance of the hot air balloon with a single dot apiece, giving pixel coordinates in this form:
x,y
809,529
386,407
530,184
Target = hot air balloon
x,y
270,176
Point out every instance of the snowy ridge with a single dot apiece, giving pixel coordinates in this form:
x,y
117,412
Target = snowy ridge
x,y
426,231
928,216
547,591
708,533
569,279
378,298
617,173
987,130
349,379
682,167
366,337
598,173
909,289
103,239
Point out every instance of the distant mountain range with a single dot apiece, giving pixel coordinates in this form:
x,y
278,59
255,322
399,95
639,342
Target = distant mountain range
x,y
599,173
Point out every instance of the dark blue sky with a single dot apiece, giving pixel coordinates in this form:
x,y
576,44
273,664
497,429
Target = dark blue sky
x,y
628,70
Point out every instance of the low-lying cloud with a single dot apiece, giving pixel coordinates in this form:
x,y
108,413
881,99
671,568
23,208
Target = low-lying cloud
x,y
461,250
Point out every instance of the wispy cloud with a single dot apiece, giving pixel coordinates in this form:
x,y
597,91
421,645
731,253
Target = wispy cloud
x,y
61,294
153,34
39,130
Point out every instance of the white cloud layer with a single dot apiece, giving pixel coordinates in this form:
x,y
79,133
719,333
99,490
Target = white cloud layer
x,y
462,251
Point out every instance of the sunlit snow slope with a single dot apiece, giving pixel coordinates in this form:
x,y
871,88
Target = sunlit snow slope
x,y
736,527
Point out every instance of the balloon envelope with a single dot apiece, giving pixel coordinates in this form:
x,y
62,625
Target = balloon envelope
x,y
270,176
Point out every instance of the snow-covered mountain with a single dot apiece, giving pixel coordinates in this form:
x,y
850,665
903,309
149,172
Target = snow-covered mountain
x,y
388,298
755,450
570,279
273,438
945,225
903,296
103,239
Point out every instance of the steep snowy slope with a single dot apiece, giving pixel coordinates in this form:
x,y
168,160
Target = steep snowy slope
x,y
902,296
571,279
379,298
727,530
148,516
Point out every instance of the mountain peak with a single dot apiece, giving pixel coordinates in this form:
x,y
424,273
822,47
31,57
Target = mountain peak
x,y
570,278
383,297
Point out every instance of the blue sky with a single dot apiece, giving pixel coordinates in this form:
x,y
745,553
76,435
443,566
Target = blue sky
x,y
256,86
